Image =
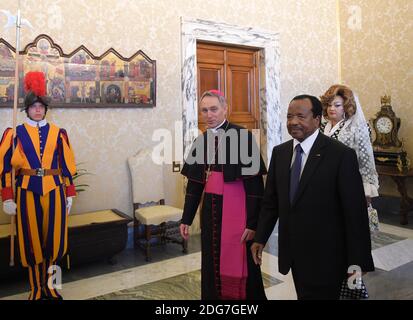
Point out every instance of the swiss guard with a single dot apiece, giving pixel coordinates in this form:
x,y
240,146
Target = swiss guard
x,y
44,163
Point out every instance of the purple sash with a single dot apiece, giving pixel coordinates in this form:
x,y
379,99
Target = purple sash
x,y
233,258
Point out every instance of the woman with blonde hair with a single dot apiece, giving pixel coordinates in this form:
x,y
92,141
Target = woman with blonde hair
x,y
346,123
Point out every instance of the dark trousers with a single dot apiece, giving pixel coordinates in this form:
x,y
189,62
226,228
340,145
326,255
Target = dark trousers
x,y
307,289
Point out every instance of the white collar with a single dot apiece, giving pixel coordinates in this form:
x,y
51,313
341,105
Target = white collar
x,y
214,130
307,144
33,123
329,129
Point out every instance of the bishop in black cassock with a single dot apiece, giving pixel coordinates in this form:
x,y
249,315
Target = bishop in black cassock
x,y
232,189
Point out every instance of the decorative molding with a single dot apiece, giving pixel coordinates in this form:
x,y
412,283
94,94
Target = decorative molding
x,y
193,30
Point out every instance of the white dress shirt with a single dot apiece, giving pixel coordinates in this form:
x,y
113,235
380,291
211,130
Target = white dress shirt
x,y
306,145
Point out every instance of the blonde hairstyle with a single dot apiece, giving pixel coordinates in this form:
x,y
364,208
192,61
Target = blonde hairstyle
x,y
349,103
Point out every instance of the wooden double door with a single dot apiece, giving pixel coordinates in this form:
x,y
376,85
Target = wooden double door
x,y
235,72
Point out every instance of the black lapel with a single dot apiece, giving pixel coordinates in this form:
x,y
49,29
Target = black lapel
x,y
283,169
313,160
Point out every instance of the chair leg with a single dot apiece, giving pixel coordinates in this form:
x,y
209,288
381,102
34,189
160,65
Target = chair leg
x,y
136,225
162,232
184,246
148,242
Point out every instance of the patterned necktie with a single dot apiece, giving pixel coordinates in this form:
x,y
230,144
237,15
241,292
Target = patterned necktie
x,y
295,172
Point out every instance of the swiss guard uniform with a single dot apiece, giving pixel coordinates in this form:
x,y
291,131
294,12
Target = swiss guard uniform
x,y
44,164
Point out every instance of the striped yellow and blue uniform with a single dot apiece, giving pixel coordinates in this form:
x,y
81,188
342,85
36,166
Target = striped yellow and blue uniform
x,y
41,200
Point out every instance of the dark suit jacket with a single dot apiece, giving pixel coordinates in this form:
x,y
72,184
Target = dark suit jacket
x,y
326,229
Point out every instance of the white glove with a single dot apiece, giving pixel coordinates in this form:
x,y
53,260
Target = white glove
x,y
69,201
9,207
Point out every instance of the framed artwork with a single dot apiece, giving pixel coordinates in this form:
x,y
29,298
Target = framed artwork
x,y
80,79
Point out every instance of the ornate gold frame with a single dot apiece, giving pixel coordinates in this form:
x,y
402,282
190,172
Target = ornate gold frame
x,y
80,79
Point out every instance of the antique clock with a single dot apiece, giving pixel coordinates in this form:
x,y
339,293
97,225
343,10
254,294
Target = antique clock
x,y
388,149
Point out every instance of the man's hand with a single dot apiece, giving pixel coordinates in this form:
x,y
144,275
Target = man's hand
x,y
247,235
368,200
184,229
256,250
9,207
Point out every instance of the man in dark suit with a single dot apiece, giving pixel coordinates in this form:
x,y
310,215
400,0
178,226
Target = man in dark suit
x,y
315,190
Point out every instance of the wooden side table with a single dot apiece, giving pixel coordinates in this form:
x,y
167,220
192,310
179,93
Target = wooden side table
x,y
406,203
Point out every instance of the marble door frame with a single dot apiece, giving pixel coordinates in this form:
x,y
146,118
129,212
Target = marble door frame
x,y
270,103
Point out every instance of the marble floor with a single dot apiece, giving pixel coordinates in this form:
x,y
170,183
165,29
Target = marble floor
x,y
174,276
186,286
